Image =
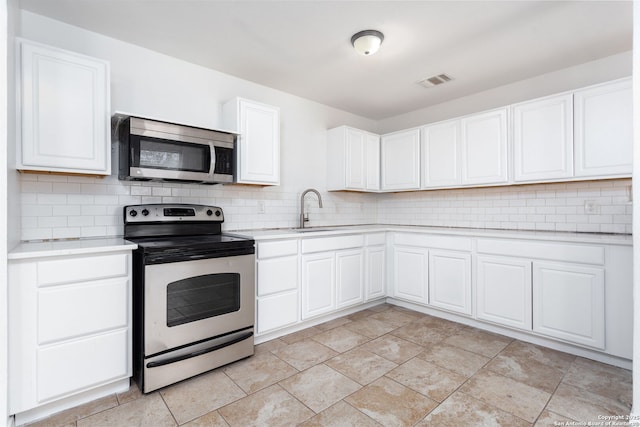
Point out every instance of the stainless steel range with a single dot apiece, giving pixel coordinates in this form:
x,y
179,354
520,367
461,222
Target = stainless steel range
x,y
194,292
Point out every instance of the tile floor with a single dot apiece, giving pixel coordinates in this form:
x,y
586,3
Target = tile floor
x,y
381,366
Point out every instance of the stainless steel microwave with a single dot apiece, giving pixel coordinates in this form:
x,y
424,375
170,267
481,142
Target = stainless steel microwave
x,y
155,150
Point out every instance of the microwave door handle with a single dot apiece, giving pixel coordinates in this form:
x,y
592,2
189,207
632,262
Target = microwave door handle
x,y
212,166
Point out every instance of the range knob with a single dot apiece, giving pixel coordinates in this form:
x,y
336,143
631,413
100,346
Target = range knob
x,y
133,213
218,213
209,212
145,212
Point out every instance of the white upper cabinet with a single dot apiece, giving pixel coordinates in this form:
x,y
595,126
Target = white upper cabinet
x,y
543,139
353,160
484,148
258,147
401,160
603,129
64,111
441,154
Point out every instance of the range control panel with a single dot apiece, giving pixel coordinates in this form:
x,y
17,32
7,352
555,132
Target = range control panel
x,y
172,213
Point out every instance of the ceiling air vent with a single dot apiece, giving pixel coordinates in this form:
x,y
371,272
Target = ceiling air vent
x,y
435,80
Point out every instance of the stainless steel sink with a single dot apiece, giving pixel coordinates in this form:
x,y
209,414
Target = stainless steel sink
x,y
309,230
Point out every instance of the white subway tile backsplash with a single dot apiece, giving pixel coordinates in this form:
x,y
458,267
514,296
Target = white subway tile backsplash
x,y
69,207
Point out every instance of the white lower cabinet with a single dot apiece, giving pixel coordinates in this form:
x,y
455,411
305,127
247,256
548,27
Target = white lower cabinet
x,y
450,281
503,287
349,278
277,285
569,302
410,273
70,326
375,272
318,284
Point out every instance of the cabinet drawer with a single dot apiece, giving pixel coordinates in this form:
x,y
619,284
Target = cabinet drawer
x,y
323,244
279,248
543,250
81,309
376,239
453,243
78,269
277,275
277,311
73,366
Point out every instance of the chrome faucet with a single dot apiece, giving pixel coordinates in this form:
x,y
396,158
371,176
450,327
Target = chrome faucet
x,y
305,217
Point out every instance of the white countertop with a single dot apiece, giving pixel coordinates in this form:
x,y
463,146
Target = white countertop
x,y
288,233
28,250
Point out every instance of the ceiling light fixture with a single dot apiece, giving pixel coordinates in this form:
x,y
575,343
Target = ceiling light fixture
x,y
367,42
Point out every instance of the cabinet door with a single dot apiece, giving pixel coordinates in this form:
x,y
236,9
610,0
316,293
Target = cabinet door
x,y
349,278
374,279
401,160
372,162
543,139
568,302
410,273
318,283
64,111
484,148
604,130
355,168
504,291
450,281
276,311
441,154
258,144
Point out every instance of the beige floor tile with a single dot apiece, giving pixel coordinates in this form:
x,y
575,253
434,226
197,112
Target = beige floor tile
x,y
341,339
319,387
549,357
517,398
149,410
527,371
393,348
395,318
391,404
268,346
300,335
132,394
191,399
454,359
331,324
212,419
581,405
361,365
269,407
463,410
382,307
481,342
420,334
304,354
433,381
371,328
606,380
259,371
412,313
362,314
443,326
72,415
340,415
548,418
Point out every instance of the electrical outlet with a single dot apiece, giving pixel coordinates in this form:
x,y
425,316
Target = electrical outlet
x,y
590,207
261,208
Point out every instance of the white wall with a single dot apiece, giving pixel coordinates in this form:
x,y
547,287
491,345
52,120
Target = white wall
x,y
148,83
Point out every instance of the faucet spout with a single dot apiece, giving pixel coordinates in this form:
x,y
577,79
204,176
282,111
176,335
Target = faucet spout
x,y
305,217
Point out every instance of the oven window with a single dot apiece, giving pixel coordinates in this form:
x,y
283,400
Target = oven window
x,y
201,297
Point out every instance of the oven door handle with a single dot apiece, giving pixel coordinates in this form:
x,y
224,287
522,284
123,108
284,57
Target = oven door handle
x,y
199,352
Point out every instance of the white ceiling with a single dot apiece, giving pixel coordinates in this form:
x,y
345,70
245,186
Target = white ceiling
x,y
303,47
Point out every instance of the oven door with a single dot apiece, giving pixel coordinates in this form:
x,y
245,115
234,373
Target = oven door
x,y
190,301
